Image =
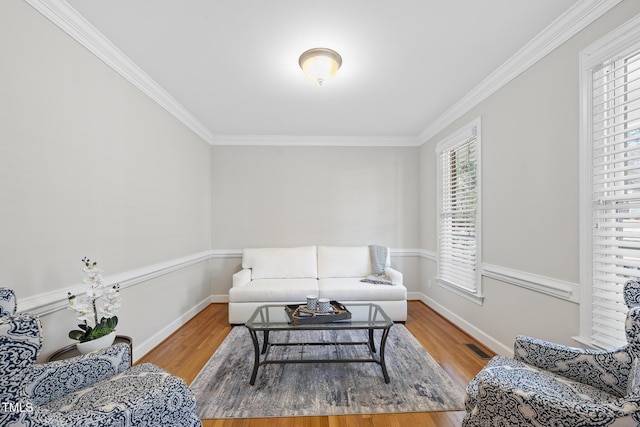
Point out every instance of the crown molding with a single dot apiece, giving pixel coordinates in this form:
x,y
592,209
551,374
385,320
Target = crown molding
x,y
311,140
580,15
575,19
75,25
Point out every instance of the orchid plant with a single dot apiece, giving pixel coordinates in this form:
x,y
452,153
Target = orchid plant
x,y
99,300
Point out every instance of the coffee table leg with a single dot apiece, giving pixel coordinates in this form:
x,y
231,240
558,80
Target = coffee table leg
x,y
256,363
383,343
372,344
265,341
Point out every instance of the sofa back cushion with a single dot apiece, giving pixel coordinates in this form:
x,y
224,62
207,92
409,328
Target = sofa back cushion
x,y
281,263
344,261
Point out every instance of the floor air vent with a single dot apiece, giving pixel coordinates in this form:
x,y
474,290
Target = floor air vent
x,y
477,350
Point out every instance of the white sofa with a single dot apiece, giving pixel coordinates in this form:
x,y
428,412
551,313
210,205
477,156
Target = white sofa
x,y
288,275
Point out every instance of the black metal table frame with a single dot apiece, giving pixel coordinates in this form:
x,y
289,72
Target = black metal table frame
x,y
375,357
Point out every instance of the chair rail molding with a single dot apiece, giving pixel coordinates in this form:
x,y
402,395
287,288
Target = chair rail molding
x,y
50,302
226,253
546,285
428,255
396,252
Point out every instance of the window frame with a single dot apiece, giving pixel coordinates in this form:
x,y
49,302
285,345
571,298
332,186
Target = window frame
x,y
618,44
450,143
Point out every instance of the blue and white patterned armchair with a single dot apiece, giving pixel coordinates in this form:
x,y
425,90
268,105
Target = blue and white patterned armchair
x,y
97,389
548,384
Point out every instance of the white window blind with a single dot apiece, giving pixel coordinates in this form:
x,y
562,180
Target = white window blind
x,y
615,142
458,222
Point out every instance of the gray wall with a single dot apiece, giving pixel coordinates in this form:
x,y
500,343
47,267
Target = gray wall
x,y
89,166
530,190
290,196
286,196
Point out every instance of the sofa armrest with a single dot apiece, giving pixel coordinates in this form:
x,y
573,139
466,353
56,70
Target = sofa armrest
x,y
49,381
394,275
604,370
242,277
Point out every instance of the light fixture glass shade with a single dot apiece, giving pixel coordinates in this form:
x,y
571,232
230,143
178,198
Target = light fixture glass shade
x,y
320,64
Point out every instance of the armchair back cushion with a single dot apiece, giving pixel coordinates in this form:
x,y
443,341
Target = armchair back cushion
x,y
8,303
552,384
281,263
608,371
96,389
632,329
632,293
44,383
344,261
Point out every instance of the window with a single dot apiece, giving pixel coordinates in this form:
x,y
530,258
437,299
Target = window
x,y
459,210
610,141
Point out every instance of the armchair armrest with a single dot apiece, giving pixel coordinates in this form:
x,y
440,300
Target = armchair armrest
x,y
242,277
605,370
574,406
394,275
49,381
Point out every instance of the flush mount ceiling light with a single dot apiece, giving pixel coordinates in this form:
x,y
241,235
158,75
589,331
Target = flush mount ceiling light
x,y
320,64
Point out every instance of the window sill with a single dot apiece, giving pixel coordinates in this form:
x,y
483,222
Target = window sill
x,y
464,293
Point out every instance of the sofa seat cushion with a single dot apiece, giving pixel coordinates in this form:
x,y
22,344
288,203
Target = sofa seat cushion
x,y
274,290
352,289
281,263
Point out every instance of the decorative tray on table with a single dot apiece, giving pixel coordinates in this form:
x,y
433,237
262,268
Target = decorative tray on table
x,y
299,314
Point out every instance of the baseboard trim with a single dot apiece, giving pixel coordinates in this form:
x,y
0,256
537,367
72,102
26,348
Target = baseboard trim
x,y
484,338
219,299
413,296
141,349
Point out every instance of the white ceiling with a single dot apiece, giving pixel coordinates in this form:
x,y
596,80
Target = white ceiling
x,y
233,64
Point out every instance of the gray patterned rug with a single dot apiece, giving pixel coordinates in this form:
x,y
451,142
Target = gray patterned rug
x,y
418,383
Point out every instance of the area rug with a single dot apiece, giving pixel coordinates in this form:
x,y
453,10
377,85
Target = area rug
x,y
418,383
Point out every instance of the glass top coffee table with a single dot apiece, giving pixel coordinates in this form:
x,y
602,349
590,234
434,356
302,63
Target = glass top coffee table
x,y
271,319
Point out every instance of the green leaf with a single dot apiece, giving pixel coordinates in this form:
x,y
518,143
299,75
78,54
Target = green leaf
x,y
76,335
112,322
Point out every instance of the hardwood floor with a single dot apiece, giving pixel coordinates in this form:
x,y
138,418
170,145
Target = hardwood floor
x,y
186,351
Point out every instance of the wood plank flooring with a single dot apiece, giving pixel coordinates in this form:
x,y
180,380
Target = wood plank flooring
x,y
186,351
